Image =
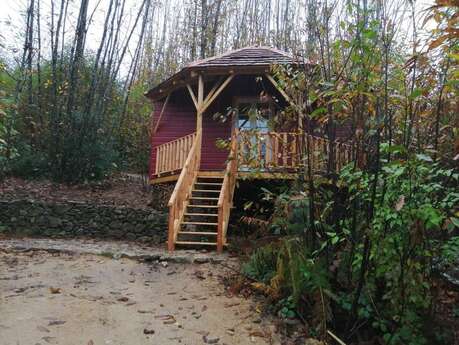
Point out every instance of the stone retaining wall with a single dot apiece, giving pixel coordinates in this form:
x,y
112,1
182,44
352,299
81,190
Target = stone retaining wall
x,y
77,219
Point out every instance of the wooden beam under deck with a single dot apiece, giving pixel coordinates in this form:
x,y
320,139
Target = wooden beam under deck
x,y
266,175
164,179
241,174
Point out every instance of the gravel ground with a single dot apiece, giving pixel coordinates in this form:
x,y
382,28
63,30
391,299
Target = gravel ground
x,y
115,249
76,298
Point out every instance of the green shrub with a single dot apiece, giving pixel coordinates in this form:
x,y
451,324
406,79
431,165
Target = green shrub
x,y
29,163
262,264
376,270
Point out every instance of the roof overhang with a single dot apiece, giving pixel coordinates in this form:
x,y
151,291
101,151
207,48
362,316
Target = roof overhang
x,y
255,60
188,75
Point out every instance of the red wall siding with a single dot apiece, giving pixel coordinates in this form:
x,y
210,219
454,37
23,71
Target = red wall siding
x,y
178,120
213,158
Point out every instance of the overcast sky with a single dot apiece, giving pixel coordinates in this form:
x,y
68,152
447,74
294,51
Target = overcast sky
x,y
12,21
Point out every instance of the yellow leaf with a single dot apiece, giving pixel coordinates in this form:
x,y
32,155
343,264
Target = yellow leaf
x,y
434,44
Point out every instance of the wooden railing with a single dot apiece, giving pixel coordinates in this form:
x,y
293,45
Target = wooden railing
x,y
171,156
225,200
284,151
179,198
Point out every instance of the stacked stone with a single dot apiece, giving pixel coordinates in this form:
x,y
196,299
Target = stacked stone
x,y
82,219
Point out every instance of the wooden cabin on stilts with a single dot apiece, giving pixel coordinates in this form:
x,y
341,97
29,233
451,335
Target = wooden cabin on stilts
x,y
185,132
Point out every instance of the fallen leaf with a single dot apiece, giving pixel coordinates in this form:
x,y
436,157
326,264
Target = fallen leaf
x,y
145,311
199,275
123,299
400,203
43,329
257,334
56,323
50,340
54,290
228,305
210,340
165,317
148,331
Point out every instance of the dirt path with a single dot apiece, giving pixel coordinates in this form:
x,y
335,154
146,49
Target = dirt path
x,y
99,300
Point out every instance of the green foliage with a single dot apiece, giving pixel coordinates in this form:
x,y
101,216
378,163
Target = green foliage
x,y
262,264
29,164
416,201
409,215
55,136
134,133
450,251
7,132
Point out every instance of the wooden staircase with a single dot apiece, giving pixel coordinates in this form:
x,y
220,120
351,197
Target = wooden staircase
x,y
200,205
199,226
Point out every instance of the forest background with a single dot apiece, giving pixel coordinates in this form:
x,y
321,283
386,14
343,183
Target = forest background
x,y
362,248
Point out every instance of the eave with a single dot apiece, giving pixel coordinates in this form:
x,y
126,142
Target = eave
x,y
188,75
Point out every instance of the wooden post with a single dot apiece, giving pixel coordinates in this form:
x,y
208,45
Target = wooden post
x,y
199,114
171,235
161,114
220,227
200,103
179,198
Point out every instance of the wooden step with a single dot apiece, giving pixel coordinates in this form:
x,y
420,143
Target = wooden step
x,y
211,174
210,183
203,206
206,190
196,243
202,214
209,179
204,233
202,198
199,223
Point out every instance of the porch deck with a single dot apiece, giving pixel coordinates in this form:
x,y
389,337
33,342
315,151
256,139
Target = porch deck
x,y
200,205
270,155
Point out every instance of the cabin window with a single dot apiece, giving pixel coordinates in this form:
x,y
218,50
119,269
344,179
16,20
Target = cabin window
x,y
253,115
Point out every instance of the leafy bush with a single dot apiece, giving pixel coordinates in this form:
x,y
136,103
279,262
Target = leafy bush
x,y
29,163
450,250
378,270
67,136
262,264
7,132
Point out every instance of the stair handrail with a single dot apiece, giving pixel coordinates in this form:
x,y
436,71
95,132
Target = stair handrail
x,y
171,156
225,200
179,198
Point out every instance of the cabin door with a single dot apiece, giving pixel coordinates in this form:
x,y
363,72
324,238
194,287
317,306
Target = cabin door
x,y
252,122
